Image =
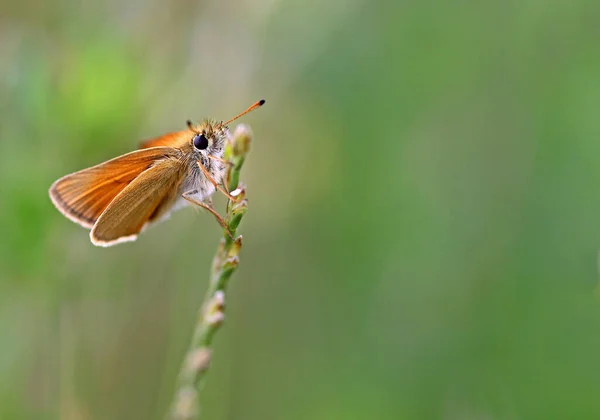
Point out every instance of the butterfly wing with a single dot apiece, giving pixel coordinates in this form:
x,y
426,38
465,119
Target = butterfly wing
x,y
144,200
178,139
84,195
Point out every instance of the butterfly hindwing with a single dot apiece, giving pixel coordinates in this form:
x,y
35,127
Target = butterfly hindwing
x,y
145,199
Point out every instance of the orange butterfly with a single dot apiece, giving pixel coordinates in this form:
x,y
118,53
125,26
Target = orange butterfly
x,y
118,198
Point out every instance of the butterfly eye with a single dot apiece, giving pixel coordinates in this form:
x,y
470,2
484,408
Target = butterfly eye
x,y
200,141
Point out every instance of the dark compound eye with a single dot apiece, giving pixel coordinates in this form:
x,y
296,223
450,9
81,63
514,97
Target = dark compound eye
x,y
200,141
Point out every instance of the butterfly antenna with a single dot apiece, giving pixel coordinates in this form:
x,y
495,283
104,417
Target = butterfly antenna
x,y
252,107
191,126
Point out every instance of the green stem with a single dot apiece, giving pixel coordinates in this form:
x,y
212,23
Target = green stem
x,y
197,360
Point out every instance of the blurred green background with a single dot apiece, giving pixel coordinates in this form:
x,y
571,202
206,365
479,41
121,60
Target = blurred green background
x,y
424,224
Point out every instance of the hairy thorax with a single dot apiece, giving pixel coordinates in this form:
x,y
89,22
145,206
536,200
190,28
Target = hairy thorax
x,y
196,183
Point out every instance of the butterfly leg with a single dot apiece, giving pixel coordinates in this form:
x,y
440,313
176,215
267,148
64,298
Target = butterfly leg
x,y
211,179
226,162
218,159
188,197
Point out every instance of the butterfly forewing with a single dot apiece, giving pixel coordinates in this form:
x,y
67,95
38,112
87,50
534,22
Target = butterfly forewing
x,y
177,139
145,199
84,195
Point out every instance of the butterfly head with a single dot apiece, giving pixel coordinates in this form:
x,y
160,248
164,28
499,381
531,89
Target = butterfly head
x,y
208,138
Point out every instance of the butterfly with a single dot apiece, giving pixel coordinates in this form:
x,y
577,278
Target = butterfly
x,y
117,199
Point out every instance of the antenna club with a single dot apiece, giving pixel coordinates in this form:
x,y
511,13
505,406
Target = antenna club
x,y
252,107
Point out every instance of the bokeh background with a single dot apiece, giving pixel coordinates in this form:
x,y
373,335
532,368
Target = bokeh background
x,y
424,224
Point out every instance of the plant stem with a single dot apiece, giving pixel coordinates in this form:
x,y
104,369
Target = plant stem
x,y
211,315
